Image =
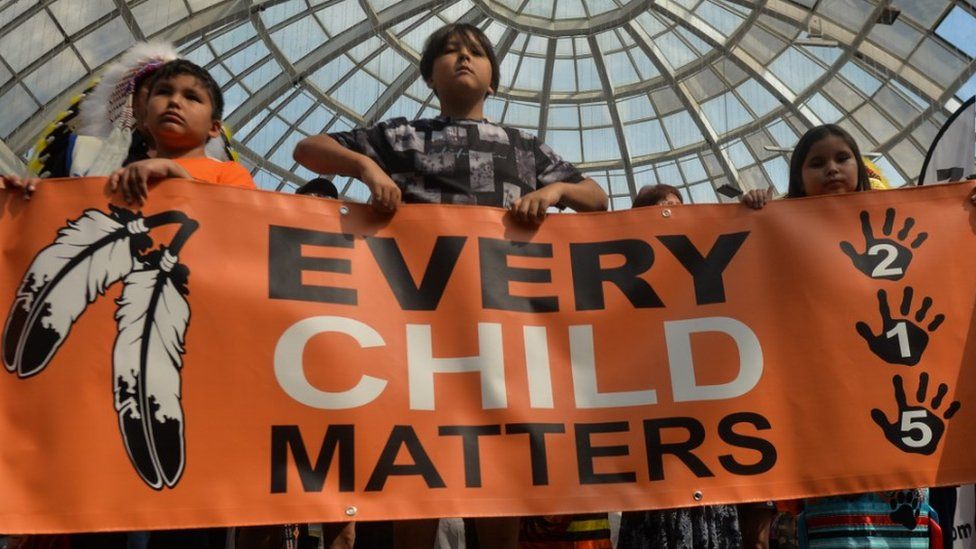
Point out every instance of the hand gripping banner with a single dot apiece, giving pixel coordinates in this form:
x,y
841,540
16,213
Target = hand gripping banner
x,y
231,357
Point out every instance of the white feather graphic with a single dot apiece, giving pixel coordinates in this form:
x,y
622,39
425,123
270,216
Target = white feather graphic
x,y
90,254
152,319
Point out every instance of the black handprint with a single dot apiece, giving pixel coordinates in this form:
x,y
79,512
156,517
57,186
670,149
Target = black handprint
x,y
900,340
884,258
905,507
916,429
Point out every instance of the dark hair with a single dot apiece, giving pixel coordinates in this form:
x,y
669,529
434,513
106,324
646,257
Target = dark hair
x,y
651,195
320,186
470,35
182,66
802,149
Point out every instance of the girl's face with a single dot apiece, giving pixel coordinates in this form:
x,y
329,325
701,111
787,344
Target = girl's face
x,y
829,168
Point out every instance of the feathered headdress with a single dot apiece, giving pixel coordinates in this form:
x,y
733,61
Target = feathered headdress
x,y
109,105
875,176
106,112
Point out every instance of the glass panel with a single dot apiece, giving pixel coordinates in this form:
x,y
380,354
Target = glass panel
x,y
299,38
267,136
17,107
796,70
105,42
53,77
778,172
874,123
342,15
594,115
257,79
522,114
725,113
703,193
277,13
359,92
756,97
937,62
531,73
645,138
824,109
564,75
621,70
563,116
42,34
74,15
958,28
739,154
635,108
692,168
566,144
600,145
155,16
682,130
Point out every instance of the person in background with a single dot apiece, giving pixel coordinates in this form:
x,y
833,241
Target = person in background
x,y
320,187
702,527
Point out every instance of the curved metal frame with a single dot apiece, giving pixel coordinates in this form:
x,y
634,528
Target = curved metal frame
x,y
295,73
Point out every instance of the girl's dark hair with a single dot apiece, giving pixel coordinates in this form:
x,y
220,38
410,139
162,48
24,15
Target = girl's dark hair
x,y
470,35
650,195
182,66
802,149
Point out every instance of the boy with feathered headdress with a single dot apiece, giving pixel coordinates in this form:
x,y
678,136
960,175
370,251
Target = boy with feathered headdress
x,y
101,130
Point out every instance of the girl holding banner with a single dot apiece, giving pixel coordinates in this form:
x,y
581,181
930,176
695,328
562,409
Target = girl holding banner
x,y
827,160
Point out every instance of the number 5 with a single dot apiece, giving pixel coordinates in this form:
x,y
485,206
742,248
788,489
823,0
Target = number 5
x,y
908,425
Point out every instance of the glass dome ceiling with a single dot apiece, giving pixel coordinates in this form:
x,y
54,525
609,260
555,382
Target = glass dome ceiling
x,y
694,93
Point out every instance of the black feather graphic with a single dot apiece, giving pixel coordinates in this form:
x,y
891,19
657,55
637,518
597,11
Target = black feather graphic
x,y
90,254
153,316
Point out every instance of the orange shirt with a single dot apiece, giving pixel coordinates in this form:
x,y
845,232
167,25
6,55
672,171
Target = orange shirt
x,y
214,171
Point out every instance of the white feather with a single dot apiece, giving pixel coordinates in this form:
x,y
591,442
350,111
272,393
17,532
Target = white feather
x,y
66,298
150,345
110,156
93,115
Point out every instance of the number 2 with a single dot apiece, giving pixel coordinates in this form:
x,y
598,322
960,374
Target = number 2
x,y
884,267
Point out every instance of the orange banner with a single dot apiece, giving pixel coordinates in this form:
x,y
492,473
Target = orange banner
x,y
226,357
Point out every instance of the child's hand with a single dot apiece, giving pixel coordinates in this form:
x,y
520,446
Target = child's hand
x,y
133,180
757,198
531,208
26,184
386,193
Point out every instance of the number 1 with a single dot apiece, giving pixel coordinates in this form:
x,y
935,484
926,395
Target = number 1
x,y
902,333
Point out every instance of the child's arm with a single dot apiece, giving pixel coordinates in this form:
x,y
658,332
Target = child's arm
x,y
324,155
757,198
26,184
133,180
585,196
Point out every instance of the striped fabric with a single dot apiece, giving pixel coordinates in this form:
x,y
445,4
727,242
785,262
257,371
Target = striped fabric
x,y
588,531
899,519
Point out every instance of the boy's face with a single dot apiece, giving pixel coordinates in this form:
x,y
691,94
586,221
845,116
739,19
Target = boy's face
x,y
179,113
462,69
